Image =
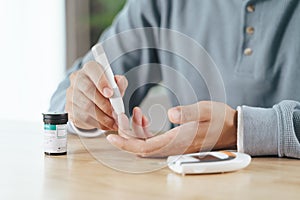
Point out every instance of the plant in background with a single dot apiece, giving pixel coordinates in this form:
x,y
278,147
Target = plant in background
x,y
102,15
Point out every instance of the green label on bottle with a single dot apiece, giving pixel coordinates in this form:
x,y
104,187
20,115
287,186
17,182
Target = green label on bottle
x,y
50,127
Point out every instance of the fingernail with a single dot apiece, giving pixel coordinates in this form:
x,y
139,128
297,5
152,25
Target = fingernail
x,y
175,115
107,92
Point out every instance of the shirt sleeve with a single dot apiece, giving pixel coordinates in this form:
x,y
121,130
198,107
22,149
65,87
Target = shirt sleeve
x,y
270,131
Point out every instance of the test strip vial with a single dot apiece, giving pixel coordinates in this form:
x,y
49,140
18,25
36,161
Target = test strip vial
x,y
55,133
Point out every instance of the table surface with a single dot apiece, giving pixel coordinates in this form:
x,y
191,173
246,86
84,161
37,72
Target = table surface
x,y
86,172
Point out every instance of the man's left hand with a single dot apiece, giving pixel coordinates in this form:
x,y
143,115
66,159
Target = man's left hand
x,y
204,126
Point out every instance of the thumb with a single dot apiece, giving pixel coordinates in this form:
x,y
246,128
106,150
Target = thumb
x,y
184,114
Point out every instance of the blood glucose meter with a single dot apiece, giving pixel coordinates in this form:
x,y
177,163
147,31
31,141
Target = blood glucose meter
x,y
208,162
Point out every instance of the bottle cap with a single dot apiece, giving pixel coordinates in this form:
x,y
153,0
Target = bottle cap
x,y
55,118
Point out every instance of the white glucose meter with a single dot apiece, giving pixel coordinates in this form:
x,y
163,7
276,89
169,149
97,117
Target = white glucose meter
x,y
208,162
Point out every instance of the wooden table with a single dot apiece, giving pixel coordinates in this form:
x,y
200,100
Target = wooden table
x,y
26,173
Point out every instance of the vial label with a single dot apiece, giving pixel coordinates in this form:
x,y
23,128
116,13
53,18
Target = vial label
x,y
55,138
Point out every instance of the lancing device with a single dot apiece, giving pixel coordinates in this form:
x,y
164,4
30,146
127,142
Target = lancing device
x,y
101,58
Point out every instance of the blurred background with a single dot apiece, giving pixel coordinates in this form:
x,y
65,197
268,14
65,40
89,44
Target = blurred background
x,y
39,41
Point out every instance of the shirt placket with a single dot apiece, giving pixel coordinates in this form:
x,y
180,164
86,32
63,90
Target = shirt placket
x,y
250,25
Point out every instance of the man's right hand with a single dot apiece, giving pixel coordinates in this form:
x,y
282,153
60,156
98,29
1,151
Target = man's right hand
x,y
87,98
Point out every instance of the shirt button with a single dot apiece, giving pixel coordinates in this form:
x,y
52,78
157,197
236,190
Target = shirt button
x,y
250,30
250,8
248,52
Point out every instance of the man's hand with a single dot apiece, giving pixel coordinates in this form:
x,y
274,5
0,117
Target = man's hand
x,y
88,98
204,126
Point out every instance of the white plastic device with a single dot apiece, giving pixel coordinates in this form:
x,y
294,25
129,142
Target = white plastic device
x,y
100,57
116,100
208,162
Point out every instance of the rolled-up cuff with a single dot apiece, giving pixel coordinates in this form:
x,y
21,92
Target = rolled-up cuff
x,y
257,132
